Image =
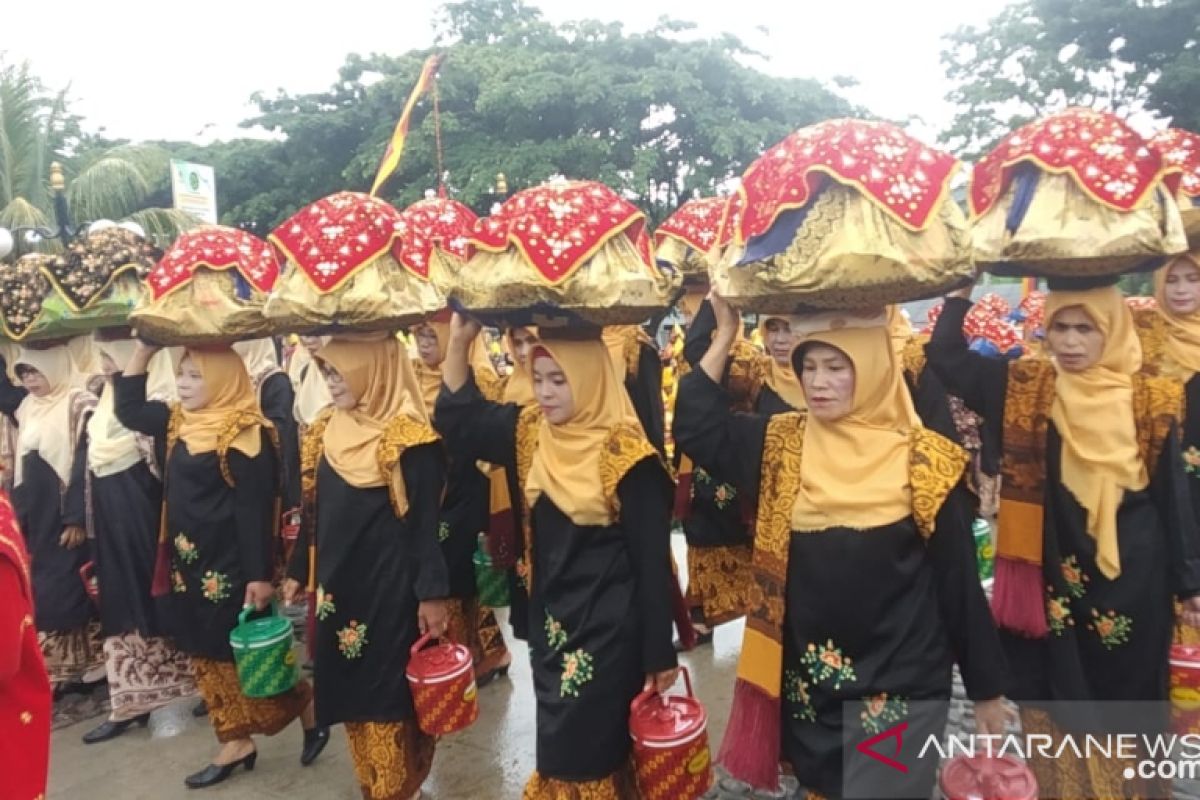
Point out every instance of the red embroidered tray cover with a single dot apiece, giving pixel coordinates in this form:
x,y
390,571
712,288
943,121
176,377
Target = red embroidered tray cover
x,y
433,221
216,247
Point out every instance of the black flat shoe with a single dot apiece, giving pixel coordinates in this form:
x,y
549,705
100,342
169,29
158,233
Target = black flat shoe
x,y
315,740
110,730
200,709
214,774
491,675
701,638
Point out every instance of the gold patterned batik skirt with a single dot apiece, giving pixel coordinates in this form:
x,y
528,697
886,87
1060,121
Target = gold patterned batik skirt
x,y
235,716
720,582
621,785
391,759
144,674
70,655
1069,777
475,626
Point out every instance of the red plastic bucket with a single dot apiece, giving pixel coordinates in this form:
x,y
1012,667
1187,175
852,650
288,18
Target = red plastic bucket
x,y
983,778
1185,688
670,744
442,679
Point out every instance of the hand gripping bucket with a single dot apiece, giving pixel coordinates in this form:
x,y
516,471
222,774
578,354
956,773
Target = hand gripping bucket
x,y
1185,688
442,679
983,778
670,744
262,650
491,583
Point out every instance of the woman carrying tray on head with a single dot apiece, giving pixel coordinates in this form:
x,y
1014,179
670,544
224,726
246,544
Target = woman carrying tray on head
x,y
374,471
864,562
48,495
599,555
123,479
1096,528
221,481
465,512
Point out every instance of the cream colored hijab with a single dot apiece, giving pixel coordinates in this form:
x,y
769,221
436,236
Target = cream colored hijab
x,y
855,470
1093,413
113,448
380,374
1183,330
312,392
566,464
44,423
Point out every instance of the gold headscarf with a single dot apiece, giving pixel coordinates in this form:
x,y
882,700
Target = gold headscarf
x,y
519,388
230,394
855,470
566,464
1093,413
1183,330
899,329
44,423
781,377
113,448
430,378
617,337
312,392
380,374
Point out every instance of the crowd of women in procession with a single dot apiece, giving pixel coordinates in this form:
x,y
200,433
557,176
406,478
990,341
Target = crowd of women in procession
x,y
822,489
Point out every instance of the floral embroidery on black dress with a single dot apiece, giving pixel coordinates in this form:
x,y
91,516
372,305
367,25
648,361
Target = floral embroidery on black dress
x,y
826,663
186,549
795,691
1112,628
1191,461
1075,577
556,637
577,670
723,495
325,606
177,583
881,711
1058,614
215,586
352,639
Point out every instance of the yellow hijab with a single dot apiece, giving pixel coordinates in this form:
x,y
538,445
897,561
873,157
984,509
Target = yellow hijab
x,y
230,393
519,387
378,371
430,378
312,393
113,448
1183,330
44,423
566,464
781,377
899,329
855,470
1093,413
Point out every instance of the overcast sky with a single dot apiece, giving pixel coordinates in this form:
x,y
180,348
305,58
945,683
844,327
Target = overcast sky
x,y
148,69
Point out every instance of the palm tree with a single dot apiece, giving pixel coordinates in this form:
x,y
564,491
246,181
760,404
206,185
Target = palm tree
x,y
116,184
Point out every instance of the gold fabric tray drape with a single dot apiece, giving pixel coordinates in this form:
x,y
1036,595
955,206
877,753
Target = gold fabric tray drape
x,y
206,310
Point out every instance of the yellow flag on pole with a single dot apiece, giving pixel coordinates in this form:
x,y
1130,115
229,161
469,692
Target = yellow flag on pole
x,y
391,156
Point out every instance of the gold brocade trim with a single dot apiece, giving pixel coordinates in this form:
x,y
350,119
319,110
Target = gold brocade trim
x,y
747,374
783,447
311,448
491,386
1158,404
913,357
402,432
391,759
234,425
936,465
625,447
1151,330
1073,777
528,423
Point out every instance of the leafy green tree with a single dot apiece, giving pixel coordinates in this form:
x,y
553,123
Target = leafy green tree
x,y
1038,56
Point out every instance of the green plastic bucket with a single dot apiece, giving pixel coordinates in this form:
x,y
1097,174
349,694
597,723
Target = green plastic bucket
x,y
490,583
262,649
985,552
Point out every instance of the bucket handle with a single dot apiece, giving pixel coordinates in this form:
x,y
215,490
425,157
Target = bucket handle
x,y
419,644
649,694
247,610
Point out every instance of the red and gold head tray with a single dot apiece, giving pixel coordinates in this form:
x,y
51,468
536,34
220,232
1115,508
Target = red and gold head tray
x,y
215,247
559,226
434,221
696,223
332,238
904,177
1181,153
1107,159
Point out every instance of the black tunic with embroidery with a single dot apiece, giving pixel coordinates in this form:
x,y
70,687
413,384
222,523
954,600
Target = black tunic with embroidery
x,y
600,603
1108,639
645,392
44,507
873,618
373,569
278,399
220,535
